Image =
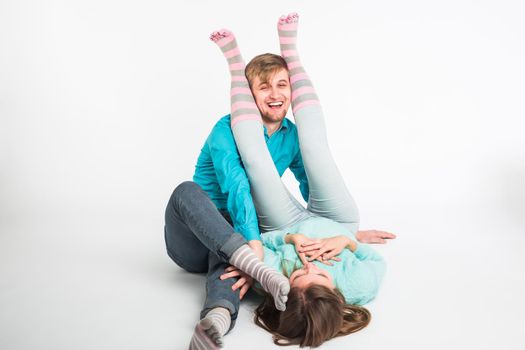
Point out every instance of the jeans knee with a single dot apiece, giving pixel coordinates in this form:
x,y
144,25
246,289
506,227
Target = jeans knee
x,y
186,187
184,190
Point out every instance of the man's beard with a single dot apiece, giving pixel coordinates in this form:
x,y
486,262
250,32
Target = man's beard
x,y
273,117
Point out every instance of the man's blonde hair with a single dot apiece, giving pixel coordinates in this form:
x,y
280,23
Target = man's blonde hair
x,y
264,66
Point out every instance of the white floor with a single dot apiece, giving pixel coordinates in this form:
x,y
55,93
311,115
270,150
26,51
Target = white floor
x,y
105,105
455,283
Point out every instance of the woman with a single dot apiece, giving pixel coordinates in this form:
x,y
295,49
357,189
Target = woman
x,y
324,299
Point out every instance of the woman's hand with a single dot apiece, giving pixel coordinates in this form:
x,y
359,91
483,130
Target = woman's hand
x,y
244,282
300,241
374,236
328,248
303,244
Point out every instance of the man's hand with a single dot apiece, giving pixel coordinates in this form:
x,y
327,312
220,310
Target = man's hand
x,y
244,282
257,248
374,236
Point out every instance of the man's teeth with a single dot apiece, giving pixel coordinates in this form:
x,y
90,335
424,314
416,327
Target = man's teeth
x,y
275,104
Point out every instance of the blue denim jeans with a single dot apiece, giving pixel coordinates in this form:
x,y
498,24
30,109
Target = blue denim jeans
x,y
199,239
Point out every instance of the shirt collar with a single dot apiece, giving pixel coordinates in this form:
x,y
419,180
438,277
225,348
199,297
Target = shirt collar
x,y
285,124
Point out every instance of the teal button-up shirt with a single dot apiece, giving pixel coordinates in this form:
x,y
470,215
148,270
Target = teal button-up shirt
x,y
220,173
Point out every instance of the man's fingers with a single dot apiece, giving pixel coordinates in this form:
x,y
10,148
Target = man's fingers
x,y
239,283
230,268
244,289
230,274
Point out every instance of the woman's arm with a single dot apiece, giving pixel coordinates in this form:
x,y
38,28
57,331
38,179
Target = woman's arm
x,y
362,276
374,236
328,248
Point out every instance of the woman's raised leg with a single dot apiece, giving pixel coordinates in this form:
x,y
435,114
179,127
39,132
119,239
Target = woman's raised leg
x,y
275,208
329,196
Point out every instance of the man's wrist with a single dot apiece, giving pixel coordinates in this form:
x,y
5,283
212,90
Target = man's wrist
x,y
257,247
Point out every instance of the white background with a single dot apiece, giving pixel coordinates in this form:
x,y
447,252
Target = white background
x,y
104,106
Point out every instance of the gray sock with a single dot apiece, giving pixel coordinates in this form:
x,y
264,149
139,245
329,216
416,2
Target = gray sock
x,y
271,280
210,330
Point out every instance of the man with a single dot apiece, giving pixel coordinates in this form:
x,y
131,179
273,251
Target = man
x,y
220,174
219,170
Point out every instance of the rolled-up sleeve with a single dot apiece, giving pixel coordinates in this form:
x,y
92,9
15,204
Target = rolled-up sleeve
x,y
233,182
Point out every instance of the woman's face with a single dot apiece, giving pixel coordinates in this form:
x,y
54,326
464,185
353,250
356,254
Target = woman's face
x,y
311,274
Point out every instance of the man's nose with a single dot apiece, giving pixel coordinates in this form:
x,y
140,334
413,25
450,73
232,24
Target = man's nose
x,y
274,93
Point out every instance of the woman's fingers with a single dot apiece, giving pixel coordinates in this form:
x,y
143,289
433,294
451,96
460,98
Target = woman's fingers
x,y
377,240
303,258
310,242
387,235
326,262
311,247
331,254
317,254
380,237
375,236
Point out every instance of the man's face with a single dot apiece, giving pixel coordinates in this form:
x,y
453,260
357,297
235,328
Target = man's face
x,y
273,97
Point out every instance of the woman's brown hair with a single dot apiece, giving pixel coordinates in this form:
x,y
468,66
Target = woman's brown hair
x,y
312,316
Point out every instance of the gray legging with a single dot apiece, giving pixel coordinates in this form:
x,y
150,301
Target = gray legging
x,y
276,207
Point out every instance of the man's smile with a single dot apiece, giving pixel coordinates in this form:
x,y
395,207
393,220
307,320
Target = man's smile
x,y
275,105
